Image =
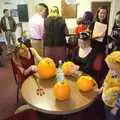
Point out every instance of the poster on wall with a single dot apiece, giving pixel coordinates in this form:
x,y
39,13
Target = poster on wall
x,y
68,10
23,12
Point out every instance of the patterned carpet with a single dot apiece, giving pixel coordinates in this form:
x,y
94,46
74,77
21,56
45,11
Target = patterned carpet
x,y
8,97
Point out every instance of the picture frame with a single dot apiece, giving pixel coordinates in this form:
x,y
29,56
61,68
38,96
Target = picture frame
x,y
68,10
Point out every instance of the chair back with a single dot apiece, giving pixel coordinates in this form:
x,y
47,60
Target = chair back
x,y
14,70
16,74
72,41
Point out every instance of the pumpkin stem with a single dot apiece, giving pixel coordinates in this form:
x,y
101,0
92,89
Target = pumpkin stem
x,y
35,78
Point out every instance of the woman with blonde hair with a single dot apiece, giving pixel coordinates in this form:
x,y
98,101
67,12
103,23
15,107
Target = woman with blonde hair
x,y
24,61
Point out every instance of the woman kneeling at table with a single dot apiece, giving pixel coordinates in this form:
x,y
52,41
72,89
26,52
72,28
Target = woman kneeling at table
x,y
84,55
24,61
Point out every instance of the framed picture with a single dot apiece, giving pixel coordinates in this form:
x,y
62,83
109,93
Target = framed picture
x,y
23,12
68,10
14,12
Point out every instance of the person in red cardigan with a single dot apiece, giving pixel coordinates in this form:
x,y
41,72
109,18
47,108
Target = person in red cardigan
x,y
80,26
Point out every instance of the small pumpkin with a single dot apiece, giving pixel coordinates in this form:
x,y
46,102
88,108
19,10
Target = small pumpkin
x,y
46,68
85,83
61,90
69,68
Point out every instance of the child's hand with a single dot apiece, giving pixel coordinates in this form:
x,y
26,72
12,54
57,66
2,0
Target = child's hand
x,y
97,90
114,110
33,68
74,69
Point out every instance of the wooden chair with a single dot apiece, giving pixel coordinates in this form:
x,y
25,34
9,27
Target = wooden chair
x,y
72,43
16,77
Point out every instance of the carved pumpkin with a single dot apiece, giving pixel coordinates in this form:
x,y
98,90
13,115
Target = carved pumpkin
x,y
61,90
46,68
69,68
85,83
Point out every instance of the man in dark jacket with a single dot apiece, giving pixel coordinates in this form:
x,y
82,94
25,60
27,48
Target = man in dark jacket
x,y
8,25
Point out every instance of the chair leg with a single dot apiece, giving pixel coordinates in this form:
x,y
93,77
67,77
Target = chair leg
x,y
17,95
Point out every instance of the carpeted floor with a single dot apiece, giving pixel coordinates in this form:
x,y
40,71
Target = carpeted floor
x,y
7,88
8,97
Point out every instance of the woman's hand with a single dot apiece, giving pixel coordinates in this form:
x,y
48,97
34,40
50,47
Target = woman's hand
x,y
99,36
32,68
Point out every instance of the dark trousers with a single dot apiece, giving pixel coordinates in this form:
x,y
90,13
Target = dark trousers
x,y
56,53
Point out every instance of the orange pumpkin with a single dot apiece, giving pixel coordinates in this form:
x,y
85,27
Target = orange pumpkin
x,y
68,67
46,68
61,90
85,83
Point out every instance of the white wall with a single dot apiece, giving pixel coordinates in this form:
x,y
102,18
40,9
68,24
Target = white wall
x,y
83,5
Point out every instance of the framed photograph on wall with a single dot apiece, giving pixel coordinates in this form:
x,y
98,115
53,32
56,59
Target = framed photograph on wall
x,y
23,12
14,12
68,10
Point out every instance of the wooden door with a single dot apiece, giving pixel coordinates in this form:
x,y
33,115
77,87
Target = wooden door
x,y
96,5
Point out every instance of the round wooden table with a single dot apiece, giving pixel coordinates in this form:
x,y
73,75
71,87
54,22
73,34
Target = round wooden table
x,y
47,103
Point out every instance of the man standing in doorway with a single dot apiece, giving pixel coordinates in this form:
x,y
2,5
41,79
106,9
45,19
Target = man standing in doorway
x,y
36,27
8,25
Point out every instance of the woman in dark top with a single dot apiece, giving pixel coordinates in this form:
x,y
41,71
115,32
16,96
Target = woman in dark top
x,y
84,55
102,17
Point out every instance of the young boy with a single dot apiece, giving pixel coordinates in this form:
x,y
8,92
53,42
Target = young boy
x,y
111,86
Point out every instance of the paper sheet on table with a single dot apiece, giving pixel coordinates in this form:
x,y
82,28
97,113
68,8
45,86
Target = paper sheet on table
x,y
99,29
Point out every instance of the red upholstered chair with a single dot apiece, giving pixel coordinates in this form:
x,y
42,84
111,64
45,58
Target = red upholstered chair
x,y
25,115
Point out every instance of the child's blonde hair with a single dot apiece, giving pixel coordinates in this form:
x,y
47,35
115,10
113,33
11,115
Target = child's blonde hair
x,y
16,51
54,11
114,58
